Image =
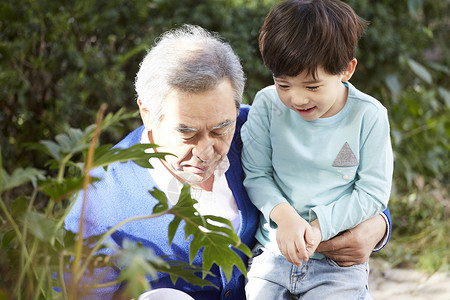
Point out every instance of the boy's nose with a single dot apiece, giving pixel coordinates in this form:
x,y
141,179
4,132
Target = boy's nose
x,y
300,101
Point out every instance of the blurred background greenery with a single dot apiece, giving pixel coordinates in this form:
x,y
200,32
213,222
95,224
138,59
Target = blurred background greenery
x,y
59,60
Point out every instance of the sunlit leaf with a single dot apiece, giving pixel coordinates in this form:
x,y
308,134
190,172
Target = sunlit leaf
x,y
393,84
415,6
162,204
445,94
52,149
67,143
136,153
214,234
420,71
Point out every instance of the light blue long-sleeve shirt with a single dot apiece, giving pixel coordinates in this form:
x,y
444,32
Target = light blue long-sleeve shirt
x,y
337,169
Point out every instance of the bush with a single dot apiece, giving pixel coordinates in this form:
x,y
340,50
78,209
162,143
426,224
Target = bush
x,y
59,61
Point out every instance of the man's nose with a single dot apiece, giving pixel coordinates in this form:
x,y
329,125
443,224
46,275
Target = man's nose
x,y
204,149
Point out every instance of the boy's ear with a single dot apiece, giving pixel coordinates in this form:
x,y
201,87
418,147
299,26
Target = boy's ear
x,y
351,67
145,115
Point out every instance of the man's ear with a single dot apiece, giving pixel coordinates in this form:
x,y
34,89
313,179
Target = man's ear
x,y
351,67
145,115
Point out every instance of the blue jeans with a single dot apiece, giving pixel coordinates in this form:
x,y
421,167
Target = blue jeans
x,y
270,276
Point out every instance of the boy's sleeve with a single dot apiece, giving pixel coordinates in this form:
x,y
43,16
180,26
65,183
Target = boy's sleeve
x,y
257,158
372,187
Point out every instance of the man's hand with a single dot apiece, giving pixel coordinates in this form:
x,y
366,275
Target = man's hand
x,y
294,234
354,246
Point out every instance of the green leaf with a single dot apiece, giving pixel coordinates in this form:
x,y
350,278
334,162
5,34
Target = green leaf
x,y
104,157
163,203
52,149
445,94
214,234
68,143
137,261
420,71
393,84
42,227
7,239
60,190
177,269
19,206
20,176
414,6
114,119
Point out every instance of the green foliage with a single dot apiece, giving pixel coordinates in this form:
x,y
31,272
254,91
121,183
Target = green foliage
x,y
35,245
208,232
60,60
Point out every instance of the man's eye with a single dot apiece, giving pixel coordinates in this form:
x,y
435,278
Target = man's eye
x,y
219,133
188,137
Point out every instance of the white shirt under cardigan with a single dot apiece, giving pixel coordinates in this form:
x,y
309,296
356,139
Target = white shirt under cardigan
x,y
218,202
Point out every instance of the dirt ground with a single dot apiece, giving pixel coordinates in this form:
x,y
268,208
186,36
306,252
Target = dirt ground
x,y
406,284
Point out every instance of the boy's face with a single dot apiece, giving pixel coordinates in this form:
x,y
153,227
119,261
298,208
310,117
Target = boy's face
x,y
312,99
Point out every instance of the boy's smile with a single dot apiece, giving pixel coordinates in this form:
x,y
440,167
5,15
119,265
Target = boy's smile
x,y
311,98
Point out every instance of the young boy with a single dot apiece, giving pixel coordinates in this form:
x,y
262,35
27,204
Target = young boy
x,y
317,153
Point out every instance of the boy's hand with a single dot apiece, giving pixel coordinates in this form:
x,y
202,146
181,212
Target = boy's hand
x,y
292,232
316,236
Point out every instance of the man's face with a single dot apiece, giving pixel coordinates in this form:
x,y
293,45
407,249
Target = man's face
x,y
198,129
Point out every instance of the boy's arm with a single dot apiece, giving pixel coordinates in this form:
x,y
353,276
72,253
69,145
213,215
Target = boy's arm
x,y
354,246
257,159
373,180
295,237
292,229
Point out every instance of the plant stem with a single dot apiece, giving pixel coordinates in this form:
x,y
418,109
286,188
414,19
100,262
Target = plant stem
x,y
11,220
66,212
24,255
79,236
39,289
61,273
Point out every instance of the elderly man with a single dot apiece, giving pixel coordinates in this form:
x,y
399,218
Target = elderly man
x,y
189,89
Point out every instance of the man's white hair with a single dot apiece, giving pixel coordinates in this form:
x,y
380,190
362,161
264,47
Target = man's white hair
x,y
188,59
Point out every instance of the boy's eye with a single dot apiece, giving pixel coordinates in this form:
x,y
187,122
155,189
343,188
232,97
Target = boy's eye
x,y
312,88
283,86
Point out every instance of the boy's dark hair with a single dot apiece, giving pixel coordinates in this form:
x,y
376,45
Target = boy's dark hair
x,y
299,35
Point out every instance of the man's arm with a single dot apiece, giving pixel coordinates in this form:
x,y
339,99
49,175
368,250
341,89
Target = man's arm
x,y
354,246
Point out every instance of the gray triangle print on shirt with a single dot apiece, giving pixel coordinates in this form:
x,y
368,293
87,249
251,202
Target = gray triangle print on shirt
x,y
345,158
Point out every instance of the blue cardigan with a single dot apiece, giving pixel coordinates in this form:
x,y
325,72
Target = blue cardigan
x,y
122,193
